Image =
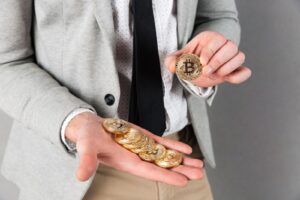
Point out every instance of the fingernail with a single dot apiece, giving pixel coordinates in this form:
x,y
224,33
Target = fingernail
x,y
207,70
168,64
172,69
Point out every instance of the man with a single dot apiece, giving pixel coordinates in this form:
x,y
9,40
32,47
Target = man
x,y
67,65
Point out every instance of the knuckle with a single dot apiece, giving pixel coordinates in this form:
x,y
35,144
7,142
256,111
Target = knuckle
x,y
217,62
220,38
211,51
235,48
205,53
232,42
208,51
200,46
223,40
232,46
222,73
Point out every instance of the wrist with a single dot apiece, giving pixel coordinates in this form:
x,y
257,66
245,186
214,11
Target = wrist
x,y
77,124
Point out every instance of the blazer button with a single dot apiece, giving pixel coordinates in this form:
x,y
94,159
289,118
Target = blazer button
x,y
109,99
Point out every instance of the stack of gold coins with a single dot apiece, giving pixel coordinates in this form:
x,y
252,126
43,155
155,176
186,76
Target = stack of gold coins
x,y
145,147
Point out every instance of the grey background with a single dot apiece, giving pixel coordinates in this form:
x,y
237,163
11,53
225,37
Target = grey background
x,y
256,126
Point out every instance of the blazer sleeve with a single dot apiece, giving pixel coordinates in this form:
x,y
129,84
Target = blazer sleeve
x,y
27,92
218,16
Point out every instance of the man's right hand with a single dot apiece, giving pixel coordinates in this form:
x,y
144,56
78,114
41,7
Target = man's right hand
x,y
96,146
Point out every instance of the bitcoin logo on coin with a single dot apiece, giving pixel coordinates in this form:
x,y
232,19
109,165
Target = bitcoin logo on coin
x,y
188,67
116,126
171,159
158,153
133,136
145,147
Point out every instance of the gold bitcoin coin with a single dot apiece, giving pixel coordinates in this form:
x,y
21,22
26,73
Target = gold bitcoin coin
x,y
137,150
116,126
139,144
188,67
133,136
171,159
157,154
149,146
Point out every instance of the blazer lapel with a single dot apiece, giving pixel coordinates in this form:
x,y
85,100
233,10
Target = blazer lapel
x,y
104,17
186,11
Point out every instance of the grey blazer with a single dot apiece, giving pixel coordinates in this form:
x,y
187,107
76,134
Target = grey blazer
x,y
58,55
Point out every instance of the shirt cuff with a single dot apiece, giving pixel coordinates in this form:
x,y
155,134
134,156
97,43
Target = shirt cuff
x,y
71,146
199,91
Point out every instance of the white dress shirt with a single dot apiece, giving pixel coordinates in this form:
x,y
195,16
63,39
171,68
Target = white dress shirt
x,y
175,104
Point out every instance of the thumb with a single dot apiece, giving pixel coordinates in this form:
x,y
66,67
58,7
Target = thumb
x,y
88,162
170,60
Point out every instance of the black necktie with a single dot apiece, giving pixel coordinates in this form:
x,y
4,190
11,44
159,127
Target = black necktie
x,y
146,101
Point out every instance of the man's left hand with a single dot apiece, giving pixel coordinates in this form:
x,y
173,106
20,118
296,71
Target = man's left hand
x,y
221,58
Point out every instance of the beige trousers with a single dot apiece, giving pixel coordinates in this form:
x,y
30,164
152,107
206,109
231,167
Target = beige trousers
x,y
110,184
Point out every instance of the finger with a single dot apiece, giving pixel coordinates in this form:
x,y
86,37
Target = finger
x,y
193,162
171,144
198,50
175,145
193,45
208,81
88,162
227,52
170,60
238,76
231,65
155,173
129,162
211,48
191,173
